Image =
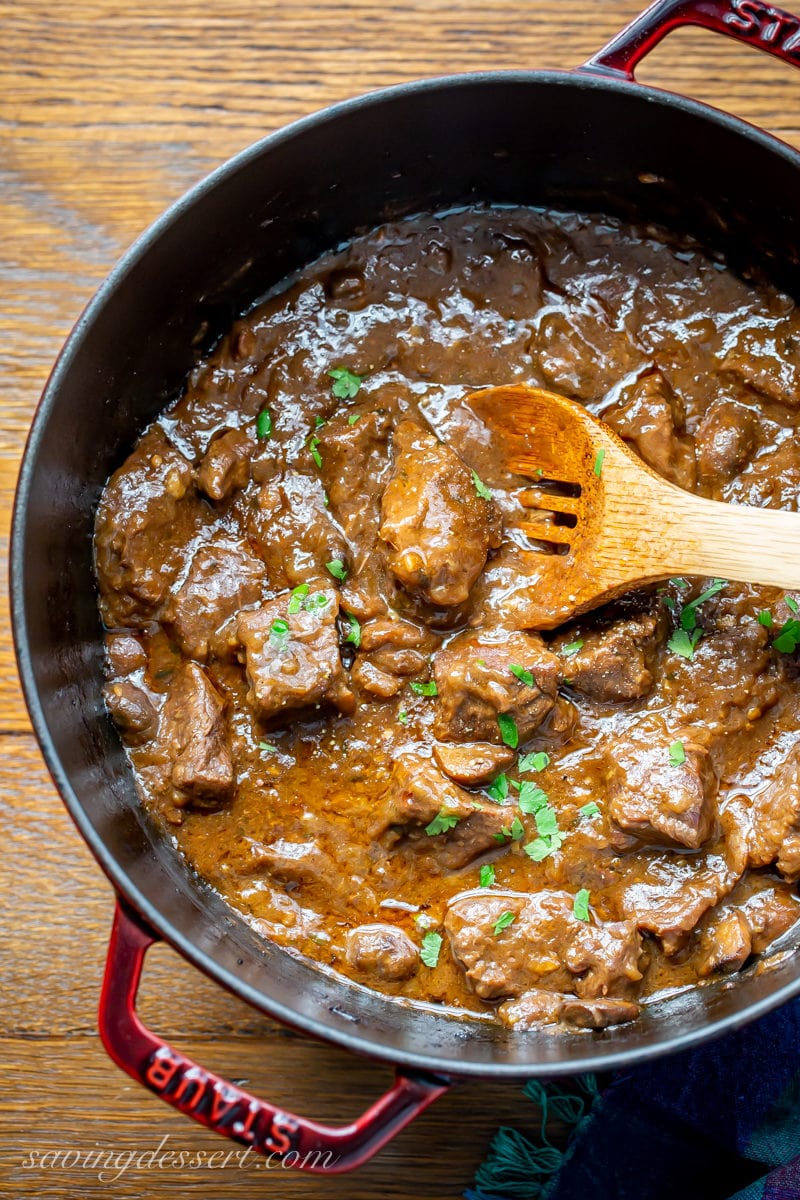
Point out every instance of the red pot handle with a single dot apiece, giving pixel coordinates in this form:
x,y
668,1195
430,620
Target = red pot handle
x,y
751,21
223,1107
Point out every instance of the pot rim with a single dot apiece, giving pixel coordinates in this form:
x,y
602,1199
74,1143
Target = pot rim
x,y
581,78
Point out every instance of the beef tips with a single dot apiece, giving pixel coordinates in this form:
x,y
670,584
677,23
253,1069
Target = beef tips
x,y
224,578
724,439
757,912
598,1014
194,738
726,944
125,653
225,467
654,800
292,654
611,663
146,519
475,685
383,952
649,417
545,946
668,895
391,651
423,812
538,1007
580,354
131,710
765,818
472,763
355,466
293,531
760,360
438,527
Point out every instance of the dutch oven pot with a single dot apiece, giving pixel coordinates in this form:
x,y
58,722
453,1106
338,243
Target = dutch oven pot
x,y
590,139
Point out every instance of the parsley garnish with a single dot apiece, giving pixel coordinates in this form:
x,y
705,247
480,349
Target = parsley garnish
x,y
319,422
425,689
498,790
298,596
572,649
503,921
402,717
531,798
788,638
318,600
279,633
354,632
313,443
765,618
508,730
268,747
480,487
442,823
792,604
689,611
580,905
677,754
517,829
431,945
541,847
264,423
353,418
598,462
589,810
534,762
487,875
684,643
482,663
345,383
337,569
522,674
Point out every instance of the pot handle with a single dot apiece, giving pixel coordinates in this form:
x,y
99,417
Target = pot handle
x,y
280,1136
751,21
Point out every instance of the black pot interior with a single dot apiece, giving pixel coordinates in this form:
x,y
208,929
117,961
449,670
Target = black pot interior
x,y
565,141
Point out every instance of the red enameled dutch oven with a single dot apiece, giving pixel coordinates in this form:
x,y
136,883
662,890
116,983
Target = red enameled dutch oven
x,y
589,139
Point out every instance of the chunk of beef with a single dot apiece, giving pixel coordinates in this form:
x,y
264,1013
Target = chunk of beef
x,y
383,952
598,1014
726,944
611,663
225,467
580,355
472,763
417,794
224,578
770,480
475,683
667,896
147,517
532,1009
765,814
131,710
649,418
766,359
757,912
655,801
724,439
292,658
355,466
194,738
439,528
125,654
390,652
293,531
545,946
770,910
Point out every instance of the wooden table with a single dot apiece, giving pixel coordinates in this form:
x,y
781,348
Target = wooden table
x,y
108,112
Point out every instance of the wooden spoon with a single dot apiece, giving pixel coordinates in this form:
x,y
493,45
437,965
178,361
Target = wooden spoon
x,y
604,522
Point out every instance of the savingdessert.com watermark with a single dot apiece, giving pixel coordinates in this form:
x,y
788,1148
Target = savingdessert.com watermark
x,y
109,1163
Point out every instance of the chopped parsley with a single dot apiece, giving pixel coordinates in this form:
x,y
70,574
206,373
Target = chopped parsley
x,y
580,905
679,582
788,638
765,618
546,822
482,663
431,945
502,836
677,754
508,730
683,643
442,823
531,798
523,675
354,632
319,422
298,596
589,810
313,445
792,604
487,875
498,789
264,423
503,921
480,487
345,383
354,418
402,717
337,569
598,462
534,762
689,611
572,649
541,847
517,829
425,689
279,633
318,600
268,747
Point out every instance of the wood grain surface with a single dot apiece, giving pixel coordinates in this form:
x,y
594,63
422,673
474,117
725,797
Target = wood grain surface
x,y
108,112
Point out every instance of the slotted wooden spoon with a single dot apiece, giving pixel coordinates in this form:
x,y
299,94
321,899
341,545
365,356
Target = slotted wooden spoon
x,y
604,522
